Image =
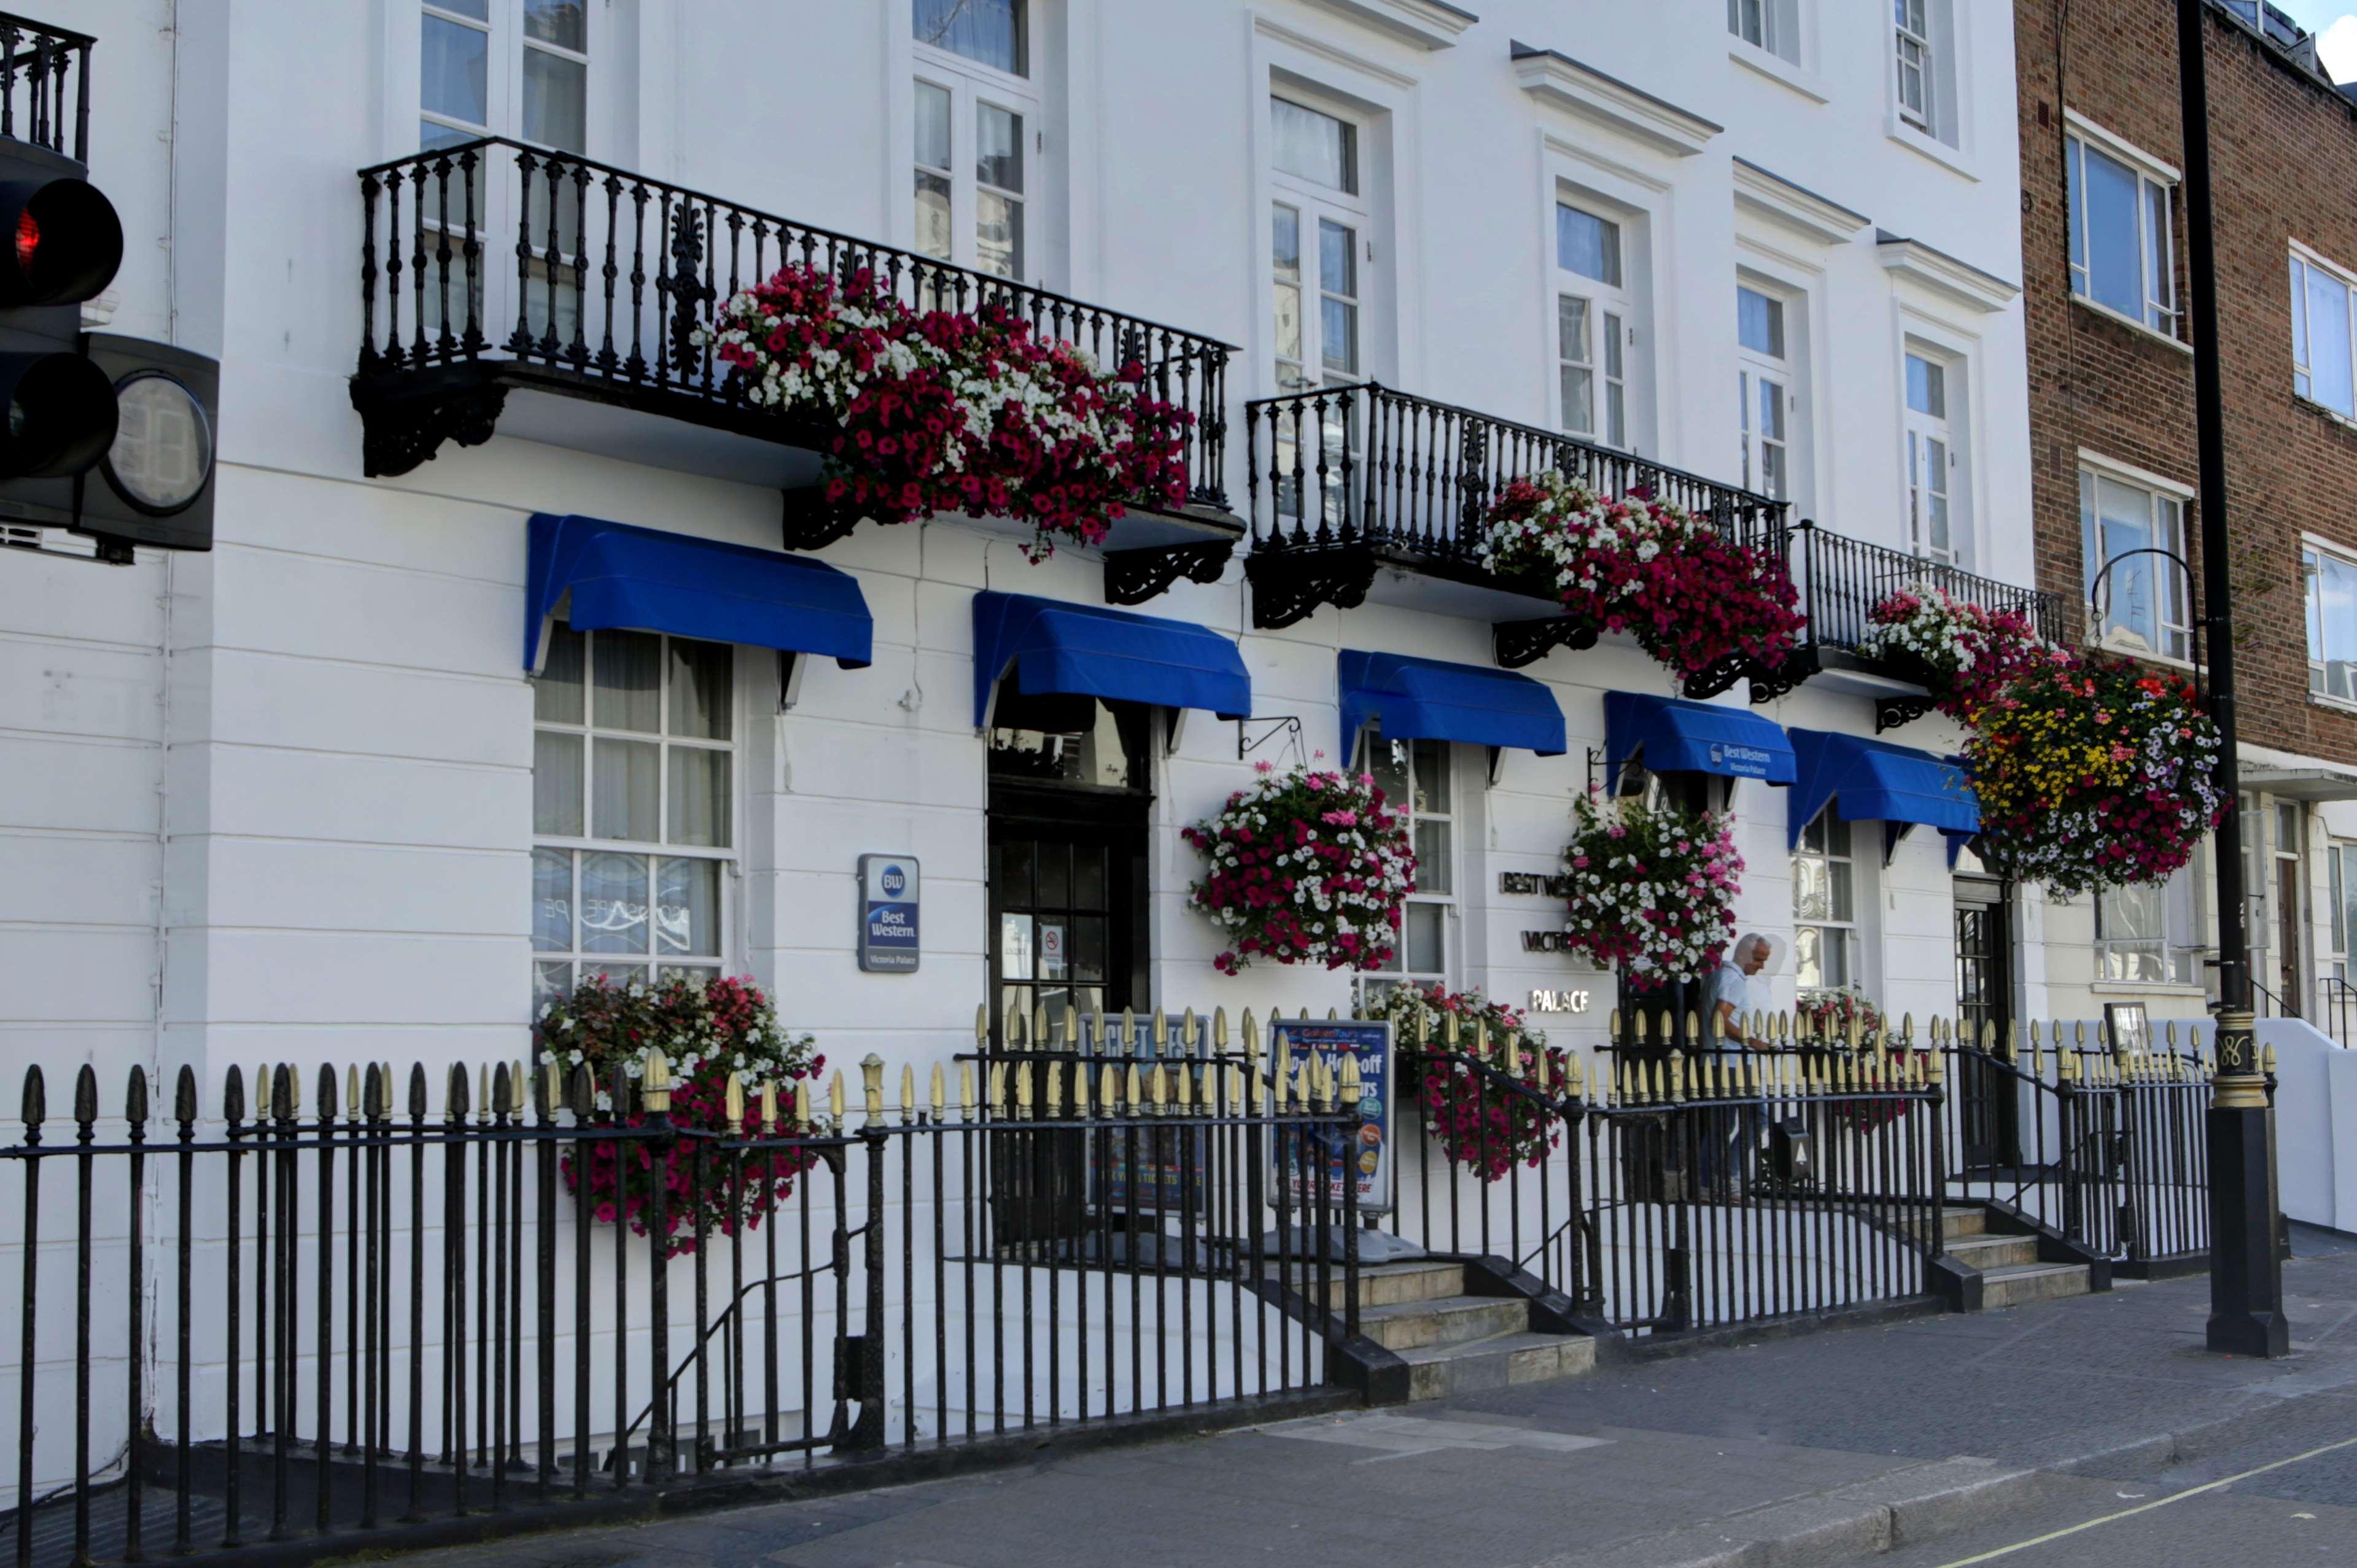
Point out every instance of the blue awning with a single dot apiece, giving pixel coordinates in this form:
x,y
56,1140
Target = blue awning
x,y
1873,781
1430,699
1087,651
1681,736
647,580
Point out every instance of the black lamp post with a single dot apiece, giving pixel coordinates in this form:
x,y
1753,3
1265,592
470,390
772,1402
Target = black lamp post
x,y
2246,1268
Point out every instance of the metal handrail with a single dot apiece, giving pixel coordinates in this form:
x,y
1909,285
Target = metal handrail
x,y
43,54
1841,580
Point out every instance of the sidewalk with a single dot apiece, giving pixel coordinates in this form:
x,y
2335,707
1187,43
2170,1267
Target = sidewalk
x,y
1807,1450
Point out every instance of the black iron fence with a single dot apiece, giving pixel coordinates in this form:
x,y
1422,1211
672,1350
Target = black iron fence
x,y
1368,464
45,85
338,1319
1841,581
578,273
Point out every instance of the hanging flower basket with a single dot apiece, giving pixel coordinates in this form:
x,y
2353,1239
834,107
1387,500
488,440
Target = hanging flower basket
x,y
2093,773
709,1030
1692,598
1963,653
1653,888
947,412
1304,867
1480,1125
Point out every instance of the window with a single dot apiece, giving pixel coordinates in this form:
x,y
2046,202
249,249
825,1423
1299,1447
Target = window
x,y
2340,860
632,807
1415,775
2121,238
1763,391
1318,254
1771,24
1930,462
1916,72
2147,934
2320,319
2144,596
1824,906
2331,624
1592,314
974,103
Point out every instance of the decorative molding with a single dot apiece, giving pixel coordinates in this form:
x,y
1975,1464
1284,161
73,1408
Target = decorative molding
x,y
1134,576
1332,53
1425,23
1289,584
1796,206
397,433
1521,642
1943,274
1607,100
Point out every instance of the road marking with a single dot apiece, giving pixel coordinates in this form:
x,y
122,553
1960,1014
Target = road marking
x,y
2147,1508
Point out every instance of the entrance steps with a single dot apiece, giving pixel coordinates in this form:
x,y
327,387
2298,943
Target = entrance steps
x,y
2009,1266
1455,1342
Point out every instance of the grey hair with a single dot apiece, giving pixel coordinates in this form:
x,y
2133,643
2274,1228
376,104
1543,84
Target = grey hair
x,y
1746,943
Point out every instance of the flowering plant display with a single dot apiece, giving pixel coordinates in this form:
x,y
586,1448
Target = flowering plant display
x,y
2092,773
1653,888
1830,1012
1480,1125
1649,567
1971,653
945,410
1309,866
1829,1015
708,1029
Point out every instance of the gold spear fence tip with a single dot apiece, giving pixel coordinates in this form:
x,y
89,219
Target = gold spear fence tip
x,y
1220,1028
1108,1087
1081,1091
982,1026
908,1091
733,1102
966,1092
834,1098
1133,1089
940,1098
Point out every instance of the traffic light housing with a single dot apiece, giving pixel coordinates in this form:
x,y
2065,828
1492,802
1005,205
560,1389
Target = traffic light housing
x,y
103,435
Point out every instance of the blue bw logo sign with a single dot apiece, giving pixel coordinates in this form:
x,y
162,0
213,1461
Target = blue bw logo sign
x,y
888,941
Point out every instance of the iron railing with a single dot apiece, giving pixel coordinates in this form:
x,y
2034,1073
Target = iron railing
x,y
2336,1007
327,1322
1368,465
1841,580
51,65
494,252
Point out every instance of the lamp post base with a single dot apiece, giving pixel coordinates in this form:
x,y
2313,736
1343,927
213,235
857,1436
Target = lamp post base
x,y
2245,1260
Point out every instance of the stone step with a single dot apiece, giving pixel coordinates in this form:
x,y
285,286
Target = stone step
x,y
1388,1284
1438,1371
2033,1281
1987,1252
1451,1320
1963,1220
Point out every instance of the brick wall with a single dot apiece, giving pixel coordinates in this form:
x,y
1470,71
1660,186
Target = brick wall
x,y
2282,145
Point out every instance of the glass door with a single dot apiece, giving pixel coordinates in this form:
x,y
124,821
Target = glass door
x,y
1986,1102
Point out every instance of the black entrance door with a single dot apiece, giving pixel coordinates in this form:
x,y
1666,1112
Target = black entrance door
x,y
1985,1099
1069,795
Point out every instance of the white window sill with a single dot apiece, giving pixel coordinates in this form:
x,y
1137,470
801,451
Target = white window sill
x,y
2328,412
1931,147
2145,988
1779,69
2131,324
2337,705
2127,648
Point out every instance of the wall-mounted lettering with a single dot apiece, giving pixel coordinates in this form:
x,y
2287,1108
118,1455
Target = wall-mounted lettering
x,y
1531,884
1559,1000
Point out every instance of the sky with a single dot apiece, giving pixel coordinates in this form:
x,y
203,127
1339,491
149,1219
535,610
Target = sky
x,y
2335,22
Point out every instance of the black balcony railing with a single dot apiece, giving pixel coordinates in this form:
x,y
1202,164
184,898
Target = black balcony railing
x,y
45,86
493,263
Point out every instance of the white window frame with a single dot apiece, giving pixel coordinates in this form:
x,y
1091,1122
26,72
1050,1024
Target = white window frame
x,y
1756,371
1847,933
2156,235
1929,440
1610,316
2313,553
1315,204
2166,504
2308,268
1771,26
2176,952
1914,53
729,857
971,85
1452,823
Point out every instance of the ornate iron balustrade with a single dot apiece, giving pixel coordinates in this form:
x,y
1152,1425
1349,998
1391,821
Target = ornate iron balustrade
x,y
1368,469
49,63
492,264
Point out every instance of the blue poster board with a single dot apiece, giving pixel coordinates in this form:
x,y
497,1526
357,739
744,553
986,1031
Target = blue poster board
x,y
1366,1151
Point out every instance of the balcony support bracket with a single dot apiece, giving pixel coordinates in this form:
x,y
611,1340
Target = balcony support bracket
x,y
1889,713
1719,675
1521,642
1289,584
1767,685
809,523
400,432
1134,576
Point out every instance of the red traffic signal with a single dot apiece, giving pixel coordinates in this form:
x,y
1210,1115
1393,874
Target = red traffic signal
x,y
67,244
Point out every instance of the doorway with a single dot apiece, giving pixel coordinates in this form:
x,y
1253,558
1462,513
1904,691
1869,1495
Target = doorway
x,y
1987,1107
2289,906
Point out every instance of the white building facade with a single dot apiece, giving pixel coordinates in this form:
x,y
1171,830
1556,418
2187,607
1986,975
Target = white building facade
x,y
298,799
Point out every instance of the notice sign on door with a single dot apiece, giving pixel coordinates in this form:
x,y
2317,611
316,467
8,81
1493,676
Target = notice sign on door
x,y
888,913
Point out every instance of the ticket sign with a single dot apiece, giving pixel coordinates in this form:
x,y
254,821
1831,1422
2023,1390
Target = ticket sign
x,y
1364,1152
888,913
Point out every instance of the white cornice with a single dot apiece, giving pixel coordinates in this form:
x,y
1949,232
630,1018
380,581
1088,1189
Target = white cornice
x,y
1944,276
1580,90
1426,24
1795,206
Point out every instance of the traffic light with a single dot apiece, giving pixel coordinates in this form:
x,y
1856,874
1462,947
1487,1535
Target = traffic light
x,y
106,436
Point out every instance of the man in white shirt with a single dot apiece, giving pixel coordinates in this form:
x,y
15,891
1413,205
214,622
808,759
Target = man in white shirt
x,y
1730,995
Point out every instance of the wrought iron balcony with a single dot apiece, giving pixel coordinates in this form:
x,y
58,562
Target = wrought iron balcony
x,y
490,265
48,69
1345,479
1841,580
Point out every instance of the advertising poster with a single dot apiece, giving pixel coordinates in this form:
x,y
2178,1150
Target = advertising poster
x,y
1365,1153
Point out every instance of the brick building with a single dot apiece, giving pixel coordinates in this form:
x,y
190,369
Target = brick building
x,y
2111,373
